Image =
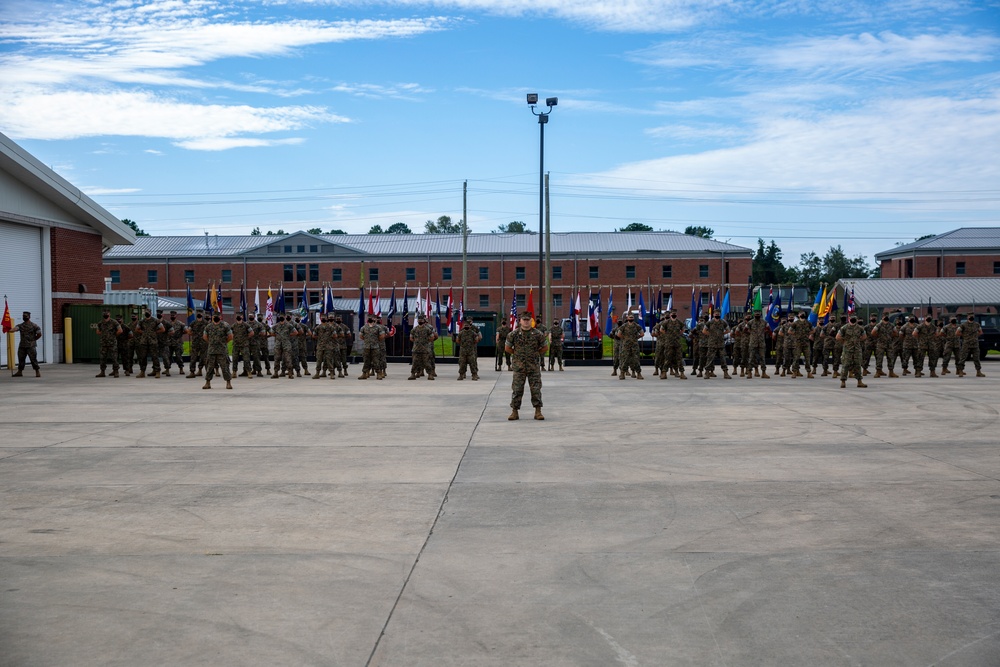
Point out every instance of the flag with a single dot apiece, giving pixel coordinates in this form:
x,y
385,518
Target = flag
x,y
279,307
207,306
392,306
576,315
449,324
670,301
628,300
659,302
8,324
531,306
776,311
850,302
827,304
718,300
724,308
427,302
591,323
243,299
833,304
190,306
361,308
416,307
437,312
256,299
608,324
642,311
406,312
214,300
218,296
304,303
329,299
513,310
756,305
694,308
814,313
791,299
269,312
371,305
378,299
596,331
461,315
769,316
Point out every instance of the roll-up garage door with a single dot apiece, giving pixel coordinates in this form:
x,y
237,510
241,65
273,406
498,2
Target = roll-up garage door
x,y
21,275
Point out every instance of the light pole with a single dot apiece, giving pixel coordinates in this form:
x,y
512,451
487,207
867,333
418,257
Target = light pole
x,y
543,118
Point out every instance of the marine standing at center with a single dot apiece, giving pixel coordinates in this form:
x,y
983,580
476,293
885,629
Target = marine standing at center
x,y
526,346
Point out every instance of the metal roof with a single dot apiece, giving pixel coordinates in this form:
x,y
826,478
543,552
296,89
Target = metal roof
x,y
631,243
964,238
882,293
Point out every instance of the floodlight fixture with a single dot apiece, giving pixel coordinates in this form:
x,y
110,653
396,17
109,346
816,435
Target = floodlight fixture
x,y
551,101
532,98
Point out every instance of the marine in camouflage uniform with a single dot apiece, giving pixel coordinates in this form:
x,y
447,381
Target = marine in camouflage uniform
x,y
370,335
326,335
896,349
757,346
258,345
672,333
383,358
175,343
868,348
883,335
714,332
108,329
629,334
198,346
468,338
802,334
422,337
969,333
703,348
909,345
147,330
659,347
283,331
736,333
556,336
243,334
778,344
695,346
338,347
616,346
823,348
852,335
526,347
952,344
124,341
925,333
501,338
217,336
162,343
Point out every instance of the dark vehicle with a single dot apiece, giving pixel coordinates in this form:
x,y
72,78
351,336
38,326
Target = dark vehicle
x,y
581,346
990,340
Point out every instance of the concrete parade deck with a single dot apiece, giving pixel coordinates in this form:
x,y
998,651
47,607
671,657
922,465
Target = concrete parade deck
x,y
408,524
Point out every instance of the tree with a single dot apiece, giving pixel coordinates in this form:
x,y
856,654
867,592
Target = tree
x,y
444,225
698,230
398,228
635,227
255,232
809,272
134,227
280,232
337,231
314,230
376,229
767,266
513,227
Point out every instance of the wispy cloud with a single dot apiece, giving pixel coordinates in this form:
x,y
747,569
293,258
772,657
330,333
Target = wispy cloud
x,y
401,91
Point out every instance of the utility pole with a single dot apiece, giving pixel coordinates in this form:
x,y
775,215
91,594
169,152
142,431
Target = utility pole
x,y
465,241
548,257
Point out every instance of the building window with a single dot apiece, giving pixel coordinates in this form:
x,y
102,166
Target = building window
x,y
484,301
518,273
703,270
289,273
227,275
227,302
996,268
189,275
314,248
314,273
287,248
116,276
668,271
300,248
373,275
521,301
630,272
959,268
411,273
337,275
445,273
557,300
484,273
300,273
595,273
152,276
556,273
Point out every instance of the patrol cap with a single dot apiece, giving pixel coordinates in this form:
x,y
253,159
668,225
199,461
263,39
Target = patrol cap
x,y
525,316
173,312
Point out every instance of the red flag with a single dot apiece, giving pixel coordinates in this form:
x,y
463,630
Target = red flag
x,y
531,306
371,305
447,312
8,324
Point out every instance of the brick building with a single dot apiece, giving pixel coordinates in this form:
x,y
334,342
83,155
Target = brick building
x,y
496,263
52,237
968,252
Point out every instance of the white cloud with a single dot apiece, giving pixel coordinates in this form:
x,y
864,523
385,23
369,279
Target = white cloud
x,y
96,191
402,91
225,143
908,145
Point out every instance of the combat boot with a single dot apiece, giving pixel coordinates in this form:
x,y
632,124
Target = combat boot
x,y
244,374
380,375
229,384
945,371
749,375
742,373
156,374
101,374
933,374
621,376
166,373
513,415
431,376
782,372
843,383
413,376
614,371
560,365
363,376
663,375
810,375
979,374
141,374
906,371
17,374
298,373
682,376
826,371
201,370
306,371
892,374
208,384
764,375
726,375
538,414
114,374
638,376
475,377
862,384
317,376
758,371
918,374
38,373
551,366
190,375
275,376
461,377
866,372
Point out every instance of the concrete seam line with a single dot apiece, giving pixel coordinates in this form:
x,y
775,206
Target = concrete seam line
x,y
420,553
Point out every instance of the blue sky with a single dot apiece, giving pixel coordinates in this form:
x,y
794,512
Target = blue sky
x,y
811,122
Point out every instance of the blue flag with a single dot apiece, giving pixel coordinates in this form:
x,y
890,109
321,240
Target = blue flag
x,y
609,325
437,313
392,307
361,309
207,306
243,299
304,303
642,311
814,315
725,305
769,313
280,306
776,312
190,306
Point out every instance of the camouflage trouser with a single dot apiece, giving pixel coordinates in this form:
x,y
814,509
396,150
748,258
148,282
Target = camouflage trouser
x,y
325,361
866,354
468,359
125,355
501,354
382,357
303,352
659,356
947,351
241,350
830,354
255,356
218,360
786,357
932,358
850,360
695,349
616,354
199,350
894,353
800,349
109,352
757,354
779,356
421,361
534,380
555,354
970,350
30,353
175,355
145,350
821,353
715,351
672,357
282,358
880,354
738,352
369,359
628,359
909,352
